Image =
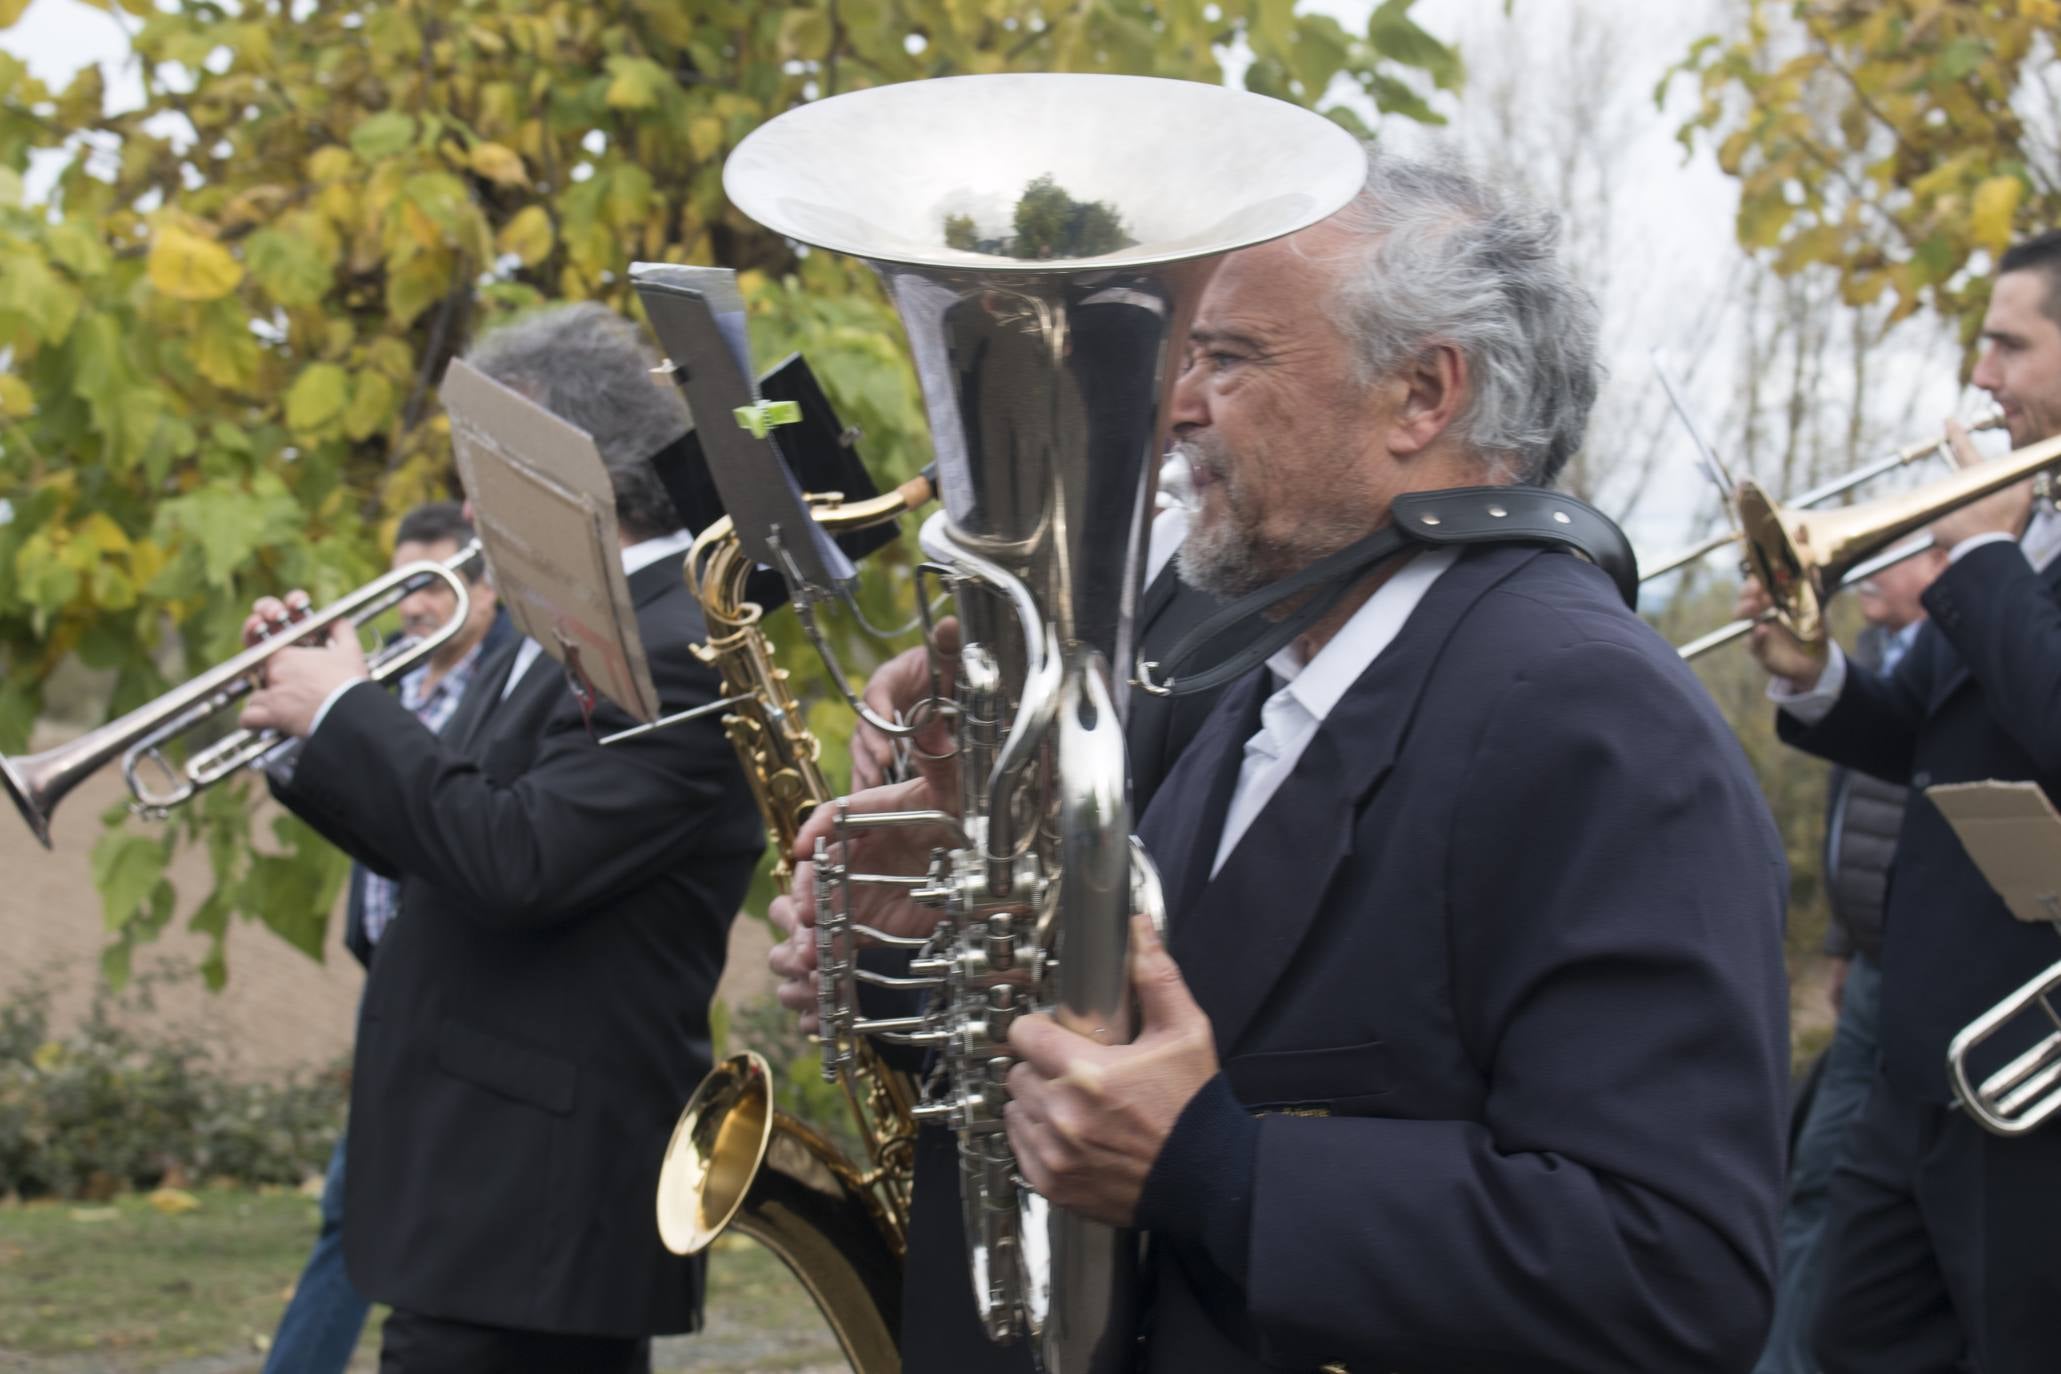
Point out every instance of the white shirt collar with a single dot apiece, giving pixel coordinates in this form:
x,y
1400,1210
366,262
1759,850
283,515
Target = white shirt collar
x,y
648,551
1319,684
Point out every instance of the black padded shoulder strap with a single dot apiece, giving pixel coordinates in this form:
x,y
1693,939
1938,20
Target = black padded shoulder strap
x,y
1521,515
1457,516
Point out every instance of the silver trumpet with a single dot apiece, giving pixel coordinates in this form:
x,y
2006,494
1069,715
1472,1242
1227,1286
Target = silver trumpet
x,y
1045,239
38,782
2024,1092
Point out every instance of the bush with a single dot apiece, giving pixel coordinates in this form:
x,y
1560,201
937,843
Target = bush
x,y
106,1108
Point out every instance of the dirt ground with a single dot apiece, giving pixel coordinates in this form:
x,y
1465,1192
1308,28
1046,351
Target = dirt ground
x,y
280,1009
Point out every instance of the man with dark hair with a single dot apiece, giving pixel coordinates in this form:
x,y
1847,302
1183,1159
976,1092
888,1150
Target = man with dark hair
x,y
1939,1251
1468,1045
320,1327
539,1009
319,1330
1862,818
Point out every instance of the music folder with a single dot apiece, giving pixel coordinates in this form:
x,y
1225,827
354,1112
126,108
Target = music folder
x,y
758,479
545,514
2013,834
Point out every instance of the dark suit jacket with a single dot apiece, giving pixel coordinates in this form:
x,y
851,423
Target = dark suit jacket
x,y
539,1010
1977,697
499,633
940,1332
1501,965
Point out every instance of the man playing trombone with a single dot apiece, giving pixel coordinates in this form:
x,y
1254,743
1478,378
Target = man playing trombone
x,y
1940,1250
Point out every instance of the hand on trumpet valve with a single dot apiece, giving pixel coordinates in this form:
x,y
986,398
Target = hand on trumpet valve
x,y
1773,644
296,684
2005,512
902,850
1087,1120
896,691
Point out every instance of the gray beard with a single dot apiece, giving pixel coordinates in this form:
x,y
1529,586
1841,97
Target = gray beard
x,y
1221,561
1231,558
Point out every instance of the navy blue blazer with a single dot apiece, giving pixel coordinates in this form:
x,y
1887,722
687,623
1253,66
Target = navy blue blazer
x,y
1500,969
1977,697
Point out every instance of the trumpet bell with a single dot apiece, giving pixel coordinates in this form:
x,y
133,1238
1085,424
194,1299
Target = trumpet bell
x,y
714,1156
26,797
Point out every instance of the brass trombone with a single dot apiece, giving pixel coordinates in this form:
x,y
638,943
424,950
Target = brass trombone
x,y
1803,558
2025,1092
1991,417
38,782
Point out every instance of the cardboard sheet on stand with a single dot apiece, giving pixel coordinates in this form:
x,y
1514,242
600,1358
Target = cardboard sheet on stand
x,y
545,514
2013,834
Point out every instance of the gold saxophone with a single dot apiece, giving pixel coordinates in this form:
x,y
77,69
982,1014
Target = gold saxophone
x,y
735,1162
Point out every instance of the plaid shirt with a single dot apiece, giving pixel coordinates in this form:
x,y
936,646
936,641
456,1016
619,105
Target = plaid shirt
x,y
432,706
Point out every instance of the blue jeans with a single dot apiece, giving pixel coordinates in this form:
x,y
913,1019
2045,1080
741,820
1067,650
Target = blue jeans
x,y
319,1331
1842,1092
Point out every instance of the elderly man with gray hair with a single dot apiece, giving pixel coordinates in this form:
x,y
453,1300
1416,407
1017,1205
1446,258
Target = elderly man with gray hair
x,y
1466,1048
539,1010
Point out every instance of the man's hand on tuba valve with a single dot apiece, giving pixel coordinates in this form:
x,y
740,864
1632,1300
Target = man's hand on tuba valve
x,y
1088,1121
899,850
897,691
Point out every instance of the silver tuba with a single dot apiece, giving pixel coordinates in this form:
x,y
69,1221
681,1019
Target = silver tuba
x,y
1045,239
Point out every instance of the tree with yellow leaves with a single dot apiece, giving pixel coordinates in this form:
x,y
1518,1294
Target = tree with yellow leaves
x,y
221,336
1900,143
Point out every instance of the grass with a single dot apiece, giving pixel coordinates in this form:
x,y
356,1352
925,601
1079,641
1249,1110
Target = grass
x,y
123,1288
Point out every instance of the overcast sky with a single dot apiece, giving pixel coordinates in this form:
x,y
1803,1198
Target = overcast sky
x,y
1669,221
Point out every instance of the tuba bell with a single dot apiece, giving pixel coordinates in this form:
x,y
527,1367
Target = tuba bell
x,y
1045,239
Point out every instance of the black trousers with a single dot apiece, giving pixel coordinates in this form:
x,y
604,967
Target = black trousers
x,y
1942,1247
411,1343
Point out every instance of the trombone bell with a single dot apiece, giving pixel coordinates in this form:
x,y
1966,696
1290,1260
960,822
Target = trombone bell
x,y
1802,557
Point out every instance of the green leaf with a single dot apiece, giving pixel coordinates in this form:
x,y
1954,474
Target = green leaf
x,y
189,267
1398,38
416,285
629,195
78,248
1994,205
382,135
528,236
290,267
224,349
317,397
372,405
229,524
636,83
126,868
34,300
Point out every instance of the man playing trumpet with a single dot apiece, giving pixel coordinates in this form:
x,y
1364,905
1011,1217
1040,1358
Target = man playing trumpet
x,y
1939,1251
1467,1047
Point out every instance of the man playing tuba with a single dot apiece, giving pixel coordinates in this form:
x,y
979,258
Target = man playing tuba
x,y
1467,1048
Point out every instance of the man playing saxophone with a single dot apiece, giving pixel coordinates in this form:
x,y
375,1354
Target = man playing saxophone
x,y
1939,1248
1467,1046
540,1005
